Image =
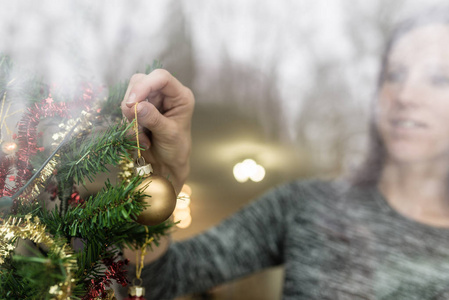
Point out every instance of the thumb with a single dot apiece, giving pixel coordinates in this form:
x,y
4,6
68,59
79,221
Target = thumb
x,y
149,117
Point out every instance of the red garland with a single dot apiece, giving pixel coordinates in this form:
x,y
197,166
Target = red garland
x,y
27,136
75,198
115,271
27,128
5,168
86,98
52,189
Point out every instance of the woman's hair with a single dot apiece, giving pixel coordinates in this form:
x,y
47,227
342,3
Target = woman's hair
x,y
368,173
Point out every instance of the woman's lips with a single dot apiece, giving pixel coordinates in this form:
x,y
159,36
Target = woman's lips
x,y
407,124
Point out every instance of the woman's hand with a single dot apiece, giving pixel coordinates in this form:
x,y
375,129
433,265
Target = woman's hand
x,y
164,113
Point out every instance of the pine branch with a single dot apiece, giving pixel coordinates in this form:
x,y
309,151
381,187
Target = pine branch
x,y
85,157
102,216
111,107
112,206
104,223
13,287
31,277
64,191
108,217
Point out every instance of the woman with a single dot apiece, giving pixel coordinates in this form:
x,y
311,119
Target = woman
x,y
383,235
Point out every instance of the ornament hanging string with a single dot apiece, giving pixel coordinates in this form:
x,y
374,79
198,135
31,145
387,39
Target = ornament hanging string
x,y
5,114
136,130
143,251
1,114
156,191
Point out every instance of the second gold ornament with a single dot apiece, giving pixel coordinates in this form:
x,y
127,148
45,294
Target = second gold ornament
x,y
159,195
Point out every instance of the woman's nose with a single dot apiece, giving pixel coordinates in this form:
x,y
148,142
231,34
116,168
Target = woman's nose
x,y
408,93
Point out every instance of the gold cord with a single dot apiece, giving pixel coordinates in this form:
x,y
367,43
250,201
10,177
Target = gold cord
x,y
1,110
136,130
143,251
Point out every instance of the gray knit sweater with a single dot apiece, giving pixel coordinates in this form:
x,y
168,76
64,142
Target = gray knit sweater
x,y
335,242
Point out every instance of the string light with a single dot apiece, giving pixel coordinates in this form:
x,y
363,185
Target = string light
x,y
182,211
183,201
9,147
248,169
184,223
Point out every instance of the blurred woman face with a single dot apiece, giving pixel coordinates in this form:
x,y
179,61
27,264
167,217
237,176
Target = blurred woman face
x,y
413,107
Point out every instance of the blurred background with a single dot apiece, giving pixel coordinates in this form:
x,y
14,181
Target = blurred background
x,y
285,85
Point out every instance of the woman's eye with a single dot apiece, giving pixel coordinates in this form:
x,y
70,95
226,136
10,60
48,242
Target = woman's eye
x,y
439,80
394,76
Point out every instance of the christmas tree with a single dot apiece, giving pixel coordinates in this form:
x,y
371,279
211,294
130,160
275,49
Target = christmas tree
x,y
53,243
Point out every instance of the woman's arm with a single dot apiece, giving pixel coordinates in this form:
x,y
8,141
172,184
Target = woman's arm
x,y
248,241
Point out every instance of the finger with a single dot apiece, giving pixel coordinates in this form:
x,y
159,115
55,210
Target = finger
x,y
154,85
148,116
128,112
144,139
135,78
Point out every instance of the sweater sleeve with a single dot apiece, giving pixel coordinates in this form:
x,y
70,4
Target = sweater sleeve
x,y
250,240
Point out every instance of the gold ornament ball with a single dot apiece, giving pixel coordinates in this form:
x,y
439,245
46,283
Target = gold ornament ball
x,y
160,195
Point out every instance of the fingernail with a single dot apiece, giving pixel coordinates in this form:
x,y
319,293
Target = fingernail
x,y
142,109
131,98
